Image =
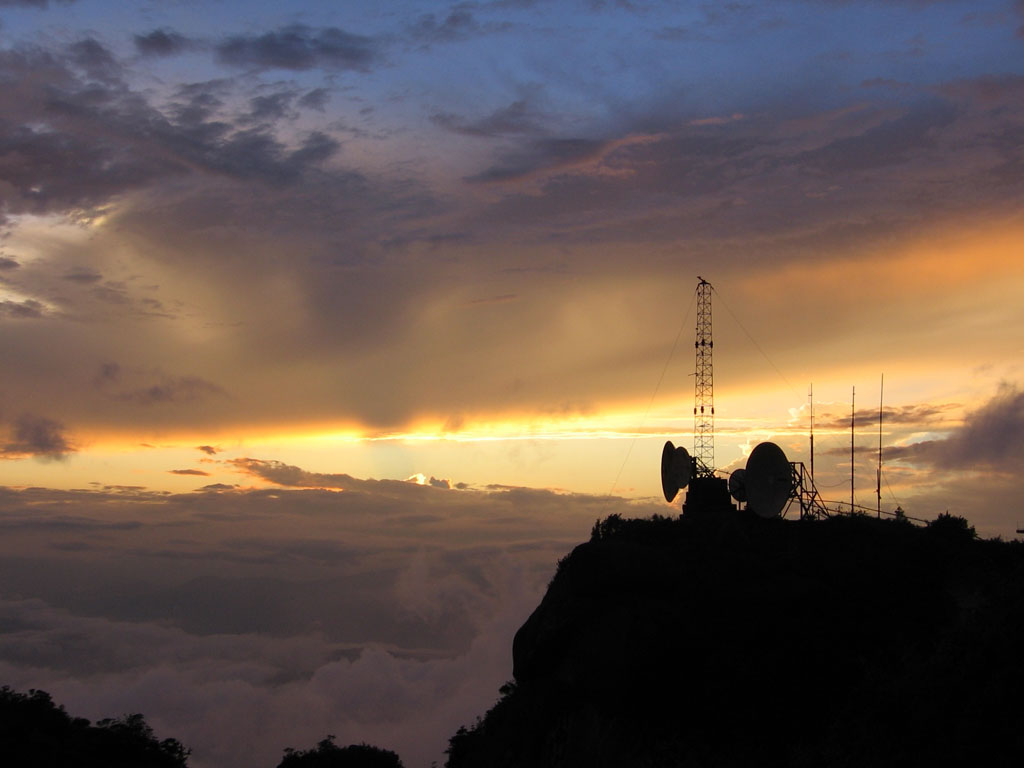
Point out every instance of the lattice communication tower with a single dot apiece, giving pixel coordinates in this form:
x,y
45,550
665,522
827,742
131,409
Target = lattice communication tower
x,y
703,387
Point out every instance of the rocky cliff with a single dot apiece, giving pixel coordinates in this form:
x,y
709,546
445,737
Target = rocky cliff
x,y
738,642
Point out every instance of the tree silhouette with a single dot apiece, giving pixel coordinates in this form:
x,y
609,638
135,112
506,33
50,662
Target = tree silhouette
x,y
327,754
36,732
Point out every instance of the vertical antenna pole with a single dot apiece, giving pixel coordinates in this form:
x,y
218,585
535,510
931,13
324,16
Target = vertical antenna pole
x,y
703,386
878,486
853,418
810,396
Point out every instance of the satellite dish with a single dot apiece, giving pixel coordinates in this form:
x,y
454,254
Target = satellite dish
x,y
675,469
738,484
769,480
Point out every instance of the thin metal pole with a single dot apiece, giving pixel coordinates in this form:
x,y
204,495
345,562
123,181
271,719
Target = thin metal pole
x,y
878,486
810,395
853,418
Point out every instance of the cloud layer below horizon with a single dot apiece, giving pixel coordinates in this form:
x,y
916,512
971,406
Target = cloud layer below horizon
x,y
246,621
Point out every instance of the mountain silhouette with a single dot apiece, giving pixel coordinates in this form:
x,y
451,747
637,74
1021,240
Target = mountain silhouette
x,y
736,641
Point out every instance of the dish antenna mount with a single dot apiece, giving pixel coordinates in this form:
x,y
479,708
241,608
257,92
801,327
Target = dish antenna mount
x,y
676,470
769,480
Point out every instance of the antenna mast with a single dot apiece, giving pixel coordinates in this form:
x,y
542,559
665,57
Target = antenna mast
x,y
703,388
810,396
878,484
853,418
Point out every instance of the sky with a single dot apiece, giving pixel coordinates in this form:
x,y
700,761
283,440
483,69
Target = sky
x,y
327,328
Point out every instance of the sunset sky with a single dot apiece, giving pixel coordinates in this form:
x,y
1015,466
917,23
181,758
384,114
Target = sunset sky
x,y
388,301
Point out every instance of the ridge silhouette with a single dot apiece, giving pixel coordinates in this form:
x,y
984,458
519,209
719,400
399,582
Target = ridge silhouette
x,y
736,641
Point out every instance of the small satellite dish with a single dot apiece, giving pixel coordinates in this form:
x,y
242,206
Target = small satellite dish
x,y
769,480
738,484
675,469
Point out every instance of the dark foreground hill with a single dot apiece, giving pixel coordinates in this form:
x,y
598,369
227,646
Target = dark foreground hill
x,y
746,642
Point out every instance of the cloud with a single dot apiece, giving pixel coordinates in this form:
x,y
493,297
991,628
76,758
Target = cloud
x,y
172,389
459,24
315,99
76,136
7,263
291,476
922,416
152,388
271,107
95,60
991,437
893,142
22,310
298,47
542,155
38,436
31,3
82,276
209,450
246,621
162,42
211,192
516,118
197,472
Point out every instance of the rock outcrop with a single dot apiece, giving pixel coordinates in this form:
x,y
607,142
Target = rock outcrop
x,y
738,642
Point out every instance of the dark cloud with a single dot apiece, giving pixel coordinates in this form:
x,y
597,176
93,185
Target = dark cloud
x,y
921,416
38,436
83,276
32,3
7,263
216,487
209,450
162,42
290,476
298,47
27,309
69,143
66,143
197,472
172,390
107,372
517,118
315,99
991,437
989,91
459,24
271,107
682,34
153,388
542,155
95,60
892,143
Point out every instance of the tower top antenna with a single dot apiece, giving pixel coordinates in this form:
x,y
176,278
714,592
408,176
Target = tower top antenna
x,y
703,387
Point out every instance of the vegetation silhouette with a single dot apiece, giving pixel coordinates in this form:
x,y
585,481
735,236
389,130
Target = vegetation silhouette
x,y
327,754
36,733
733,641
